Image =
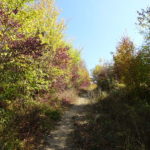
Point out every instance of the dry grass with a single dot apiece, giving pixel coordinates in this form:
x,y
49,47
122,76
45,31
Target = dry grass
x,y
119,121
68,97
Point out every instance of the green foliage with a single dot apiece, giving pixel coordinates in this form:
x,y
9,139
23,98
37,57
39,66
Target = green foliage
x,y
34,56
36,63
132,68
119,121
104,77
144,23
123,58
140,75
24,124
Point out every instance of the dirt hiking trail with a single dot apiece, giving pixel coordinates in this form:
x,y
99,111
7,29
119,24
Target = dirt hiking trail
x,y
61,138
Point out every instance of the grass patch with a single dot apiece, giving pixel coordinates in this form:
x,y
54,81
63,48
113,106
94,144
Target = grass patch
x,y
121,121
24,125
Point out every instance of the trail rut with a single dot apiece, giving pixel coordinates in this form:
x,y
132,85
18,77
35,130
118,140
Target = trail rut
x,y
61,137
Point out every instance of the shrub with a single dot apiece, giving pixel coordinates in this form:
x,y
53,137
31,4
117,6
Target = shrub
x,y
120,121
24,125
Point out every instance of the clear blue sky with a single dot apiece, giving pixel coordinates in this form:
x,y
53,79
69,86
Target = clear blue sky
x,y
97,25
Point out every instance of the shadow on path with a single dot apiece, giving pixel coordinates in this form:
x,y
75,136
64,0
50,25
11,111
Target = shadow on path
x,y
62,137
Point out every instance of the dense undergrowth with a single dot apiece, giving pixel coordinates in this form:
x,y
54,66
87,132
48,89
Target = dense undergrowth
x,y
39,72
24,125
119,121
120,117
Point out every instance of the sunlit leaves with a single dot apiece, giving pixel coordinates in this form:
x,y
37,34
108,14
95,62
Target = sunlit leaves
x,y
122,58
32,44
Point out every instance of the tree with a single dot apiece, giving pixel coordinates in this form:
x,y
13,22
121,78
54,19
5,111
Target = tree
x,y
144,23
103,76
123,58
144,53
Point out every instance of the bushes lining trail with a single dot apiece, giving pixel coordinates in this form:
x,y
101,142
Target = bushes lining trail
x,y
36,65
